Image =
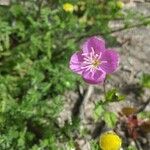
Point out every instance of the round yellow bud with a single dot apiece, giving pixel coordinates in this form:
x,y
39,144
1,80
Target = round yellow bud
x,y
68,7
110,141
120,4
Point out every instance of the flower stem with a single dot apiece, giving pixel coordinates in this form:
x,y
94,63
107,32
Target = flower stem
x,y
104,88
137,144
85,101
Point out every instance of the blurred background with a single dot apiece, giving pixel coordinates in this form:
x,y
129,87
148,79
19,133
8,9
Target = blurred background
x,y
40,98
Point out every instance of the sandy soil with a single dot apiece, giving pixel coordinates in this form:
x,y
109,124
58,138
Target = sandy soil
x,y
134,49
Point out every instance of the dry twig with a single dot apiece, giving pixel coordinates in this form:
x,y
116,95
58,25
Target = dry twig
x,y
85,101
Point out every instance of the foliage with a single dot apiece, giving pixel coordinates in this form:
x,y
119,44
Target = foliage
x,y
95,145
113,96
37,38
101,112
145,80
34,58
131,148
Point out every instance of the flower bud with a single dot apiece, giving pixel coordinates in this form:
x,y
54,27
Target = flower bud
x,y
110,141
68,7
120,4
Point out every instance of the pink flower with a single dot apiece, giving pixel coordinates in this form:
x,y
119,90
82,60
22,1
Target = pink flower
x,y
94,61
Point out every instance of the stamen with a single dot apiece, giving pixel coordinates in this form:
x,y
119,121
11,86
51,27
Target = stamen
x,y
91,56
85,62
93,52
96,56
104,62
100,54
92,61
84,54
89,68
86,59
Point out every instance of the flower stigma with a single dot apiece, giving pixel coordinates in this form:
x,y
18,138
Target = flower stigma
x,y
96,63
92,61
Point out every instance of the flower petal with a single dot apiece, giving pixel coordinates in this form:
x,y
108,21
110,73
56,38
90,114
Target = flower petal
x,y
94,42
76,62
96,77
111,61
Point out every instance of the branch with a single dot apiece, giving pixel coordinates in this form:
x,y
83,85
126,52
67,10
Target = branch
x,y
145,22
137,144
39,3
143,106
85,100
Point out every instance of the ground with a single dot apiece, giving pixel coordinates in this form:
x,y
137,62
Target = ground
x,y
134,49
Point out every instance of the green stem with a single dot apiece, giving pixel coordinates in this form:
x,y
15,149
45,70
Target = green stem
x,y
104,88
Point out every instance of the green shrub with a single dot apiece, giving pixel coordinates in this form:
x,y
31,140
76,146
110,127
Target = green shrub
x,y
37,38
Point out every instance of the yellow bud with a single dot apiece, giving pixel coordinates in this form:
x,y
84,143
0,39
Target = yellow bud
x,y
120,4
110,141
68,7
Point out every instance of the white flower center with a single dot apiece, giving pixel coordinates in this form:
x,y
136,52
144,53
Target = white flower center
x,y
92,61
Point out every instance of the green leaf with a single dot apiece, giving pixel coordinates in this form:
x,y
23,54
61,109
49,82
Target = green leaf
x,y
146,80
131,148
94,145
17,10
98,111
113,96
110,118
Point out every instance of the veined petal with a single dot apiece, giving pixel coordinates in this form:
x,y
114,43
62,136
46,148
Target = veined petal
x,y
95,77
93,43
111,59
76,62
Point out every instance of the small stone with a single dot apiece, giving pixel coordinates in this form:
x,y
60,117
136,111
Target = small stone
x,y
5,2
